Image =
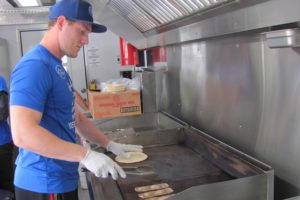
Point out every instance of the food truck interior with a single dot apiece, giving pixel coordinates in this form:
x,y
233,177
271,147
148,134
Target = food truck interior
x,y
220,90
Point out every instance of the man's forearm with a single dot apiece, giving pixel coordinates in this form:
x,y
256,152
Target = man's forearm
x,y
90,132
41,141
28,134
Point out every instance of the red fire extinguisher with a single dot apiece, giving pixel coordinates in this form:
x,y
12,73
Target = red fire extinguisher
x,y
129,54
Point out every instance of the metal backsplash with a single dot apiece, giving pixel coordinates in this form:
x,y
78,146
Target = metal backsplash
x,y
244,93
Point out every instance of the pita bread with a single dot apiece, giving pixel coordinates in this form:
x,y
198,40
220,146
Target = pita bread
x,y
134,157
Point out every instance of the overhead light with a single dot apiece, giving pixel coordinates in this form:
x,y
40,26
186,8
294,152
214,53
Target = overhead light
x,y
28,3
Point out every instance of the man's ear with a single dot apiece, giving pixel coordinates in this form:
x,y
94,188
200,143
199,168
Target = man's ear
x,y
60,22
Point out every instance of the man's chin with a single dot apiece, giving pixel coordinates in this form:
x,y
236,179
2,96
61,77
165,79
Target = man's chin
x,y
72,55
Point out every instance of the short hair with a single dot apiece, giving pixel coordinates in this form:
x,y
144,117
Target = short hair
x,y
52,22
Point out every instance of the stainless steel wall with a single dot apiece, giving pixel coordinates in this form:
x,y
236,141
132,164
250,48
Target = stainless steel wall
x,y
4,59
240,91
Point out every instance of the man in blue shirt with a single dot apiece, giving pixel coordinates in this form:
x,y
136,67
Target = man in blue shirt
x,y
44,115
6,145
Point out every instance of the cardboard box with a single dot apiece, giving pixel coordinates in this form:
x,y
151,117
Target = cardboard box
x,y
108,104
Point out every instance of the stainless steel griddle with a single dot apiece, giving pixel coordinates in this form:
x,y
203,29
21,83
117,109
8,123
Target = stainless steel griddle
x,y
188,160
176,165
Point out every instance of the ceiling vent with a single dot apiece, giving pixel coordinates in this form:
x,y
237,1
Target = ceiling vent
x,y
146,15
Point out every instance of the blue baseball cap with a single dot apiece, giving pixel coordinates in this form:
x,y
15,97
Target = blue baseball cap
x,y
77,10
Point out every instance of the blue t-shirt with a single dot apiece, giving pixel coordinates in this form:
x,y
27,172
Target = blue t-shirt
x,y
5,134
40,82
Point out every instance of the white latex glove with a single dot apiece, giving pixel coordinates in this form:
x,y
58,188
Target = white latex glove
x,y
101,165
123,149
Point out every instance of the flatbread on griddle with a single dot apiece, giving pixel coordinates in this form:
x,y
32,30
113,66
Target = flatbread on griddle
x,y
134,157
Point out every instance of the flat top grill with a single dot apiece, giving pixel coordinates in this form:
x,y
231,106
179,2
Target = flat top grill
x,y
177,165
184,158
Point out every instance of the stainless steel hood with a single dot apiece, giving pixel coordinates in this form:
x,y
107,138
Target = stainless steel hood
x,y
24,16
10,15
146,15
150,23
